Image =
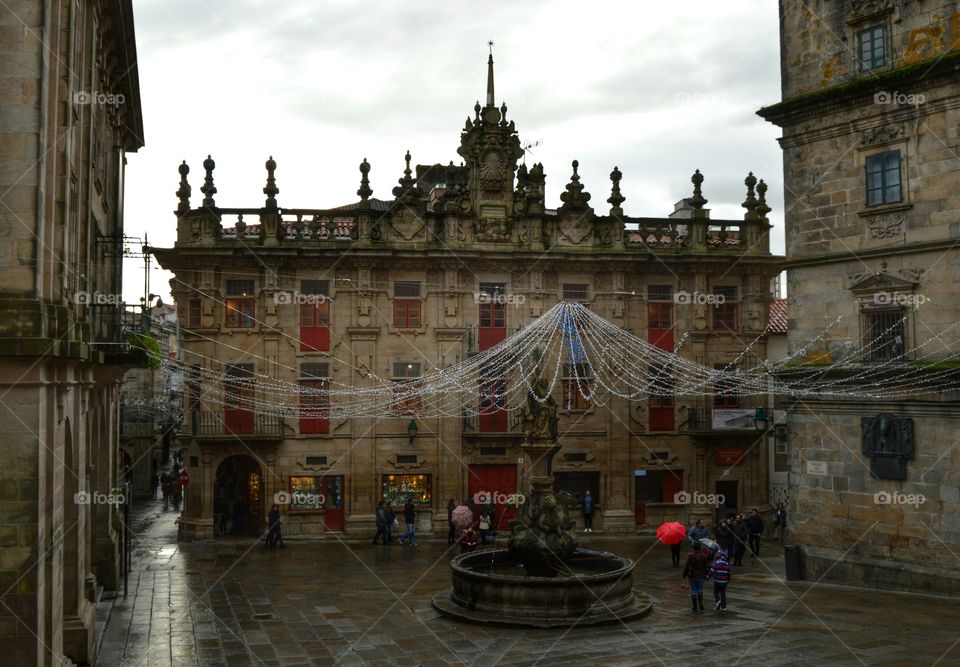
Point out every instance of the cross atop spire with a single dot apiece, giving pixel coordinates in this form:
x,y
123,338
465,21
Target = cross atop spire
x,y
490,96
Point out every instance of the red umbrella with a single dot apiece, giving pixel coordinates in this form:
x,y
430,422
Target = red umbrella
x,y
672,533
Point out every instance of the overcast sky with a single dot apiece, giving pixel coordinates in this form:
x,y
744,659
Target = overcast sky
x,y
658,89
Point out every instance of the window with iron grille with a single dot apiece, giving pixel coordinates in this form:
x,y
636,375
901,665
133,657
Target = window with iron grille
x,y
872,43
576,292
883,178
193,314
316,460
884,334
406,304
240,304
318,288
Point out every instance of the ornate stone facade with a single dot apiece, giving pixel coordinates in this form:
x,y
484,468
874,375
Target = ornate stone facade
x,y
461,257
68,114
871,103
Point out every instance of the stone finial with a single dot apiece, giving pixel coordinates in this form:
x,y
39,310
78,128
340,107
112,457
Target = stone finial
x,y
574,198
364,190
616,198
762,208
407,182
697,200
208,188
750,203
183,193
271,189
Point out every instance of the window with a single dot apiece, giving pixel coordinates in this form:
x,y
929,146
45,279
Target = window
x,y
241,304
577,483
725,308
238,404
660,316
193,314
406,304
492,314
883,179
397,489
493,399
306,493
404,384
576,292
316,460
408,459
872,43
661,400
725,391
314,315
577,387
658,486
314,398
884,333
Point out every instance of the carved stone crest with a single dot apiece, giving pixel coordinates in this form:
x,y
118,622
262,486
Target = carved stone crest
x,y
888,441
407,224
885,226
882,134
492,230
576,229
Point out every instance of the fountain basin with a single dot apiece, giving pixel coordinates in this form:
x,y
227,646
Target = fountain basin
x,y
491,587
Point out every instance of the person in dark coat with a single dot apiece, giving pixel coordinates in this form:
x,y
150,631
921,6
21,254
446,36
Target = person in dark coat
x,y
451,529
274,535
381,524
391,519
588,512
165,488
695,572
755,526
740,534
725,536
780,521
239,511
409,518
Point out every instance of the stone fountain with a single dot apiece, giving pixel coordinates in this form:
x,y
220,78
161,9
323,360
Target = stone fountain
x,y
542,579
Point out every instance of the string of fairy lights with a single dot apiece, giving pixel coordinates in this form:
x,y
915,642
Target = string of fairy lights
x,y
575,352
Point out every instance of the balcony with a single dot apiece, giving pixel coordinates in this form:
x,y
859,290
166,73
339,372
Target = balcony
x,y
705,420
229,425
495,426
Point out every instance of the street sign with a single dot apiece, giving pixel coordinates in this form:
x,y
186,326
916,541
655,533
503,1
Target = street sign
x,y
184,477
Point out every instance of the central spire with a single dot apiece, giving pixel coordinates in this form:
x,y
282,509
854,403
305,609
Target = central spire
x,y
490,97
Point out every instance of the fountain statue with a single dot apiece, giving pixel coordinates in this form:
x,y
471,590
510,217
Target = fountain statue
x,y
543,579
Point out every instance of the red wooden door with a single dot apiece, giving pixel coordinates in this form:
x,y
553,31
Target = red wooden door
x,y
499,481
333,502
493,324
238,416
493,406
660,325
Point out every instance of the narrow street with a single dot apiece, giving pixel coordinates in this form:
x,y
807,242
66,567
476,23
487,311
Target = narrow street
x,y
234,603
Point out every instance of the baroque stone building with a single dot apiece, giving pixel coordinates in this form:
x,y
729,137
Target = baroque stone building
x,y
461,257
870,116
69,111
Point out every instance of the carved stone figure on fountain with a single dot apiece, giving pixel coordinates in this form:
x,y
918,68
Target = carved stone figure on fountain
x,y
542,412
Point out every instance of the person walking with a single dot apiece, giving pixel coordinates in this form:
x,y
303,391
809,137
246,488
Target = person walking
x,y
155,481
392,523
725,537
175,492
740,535
381,515
697,532
165,488
755,526
484,525
451,529
695,571
720,572
409,516
780,521
274,534
587,512
675,553
221,513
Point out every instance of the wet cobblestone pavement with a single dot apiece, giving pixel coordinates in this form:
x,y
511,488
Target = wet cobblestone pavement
x,y
233,603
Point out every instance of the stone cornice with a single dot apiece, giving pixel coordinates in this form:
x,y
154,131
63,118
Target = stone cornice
x,y
887,251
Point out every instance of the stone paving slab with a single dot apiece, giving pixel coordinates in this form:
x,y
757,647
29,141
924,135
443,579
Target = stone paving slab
x,y
323,603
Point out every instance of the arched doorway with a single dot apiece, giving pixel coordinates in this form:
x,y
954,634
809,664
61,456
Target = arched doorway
x,y
238,493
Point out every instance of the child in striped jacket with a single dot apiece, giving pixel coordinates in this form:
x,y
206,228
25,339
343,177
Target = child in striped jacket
x,y
720,572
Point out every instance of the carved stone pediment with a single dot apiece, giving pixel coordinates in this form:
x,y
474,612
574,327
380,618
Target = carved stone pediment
x,y
885,280
882,134
865,9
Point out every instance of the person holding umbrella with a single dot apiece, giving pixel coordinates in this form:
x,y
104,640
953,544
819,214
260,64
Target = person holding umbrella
x,y
672,534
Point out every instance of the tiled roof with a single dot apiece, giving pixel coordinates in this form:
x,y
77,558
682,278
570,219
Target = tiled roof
x,y
778,317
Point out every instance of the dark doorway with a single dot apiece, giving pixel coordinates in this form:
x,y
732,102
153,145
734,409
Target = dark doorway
x,y
729,506
238,493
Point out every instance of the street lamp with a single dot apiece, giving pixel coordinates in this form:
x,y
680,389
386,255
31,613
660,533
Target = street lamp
x,y
760,420
412,430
